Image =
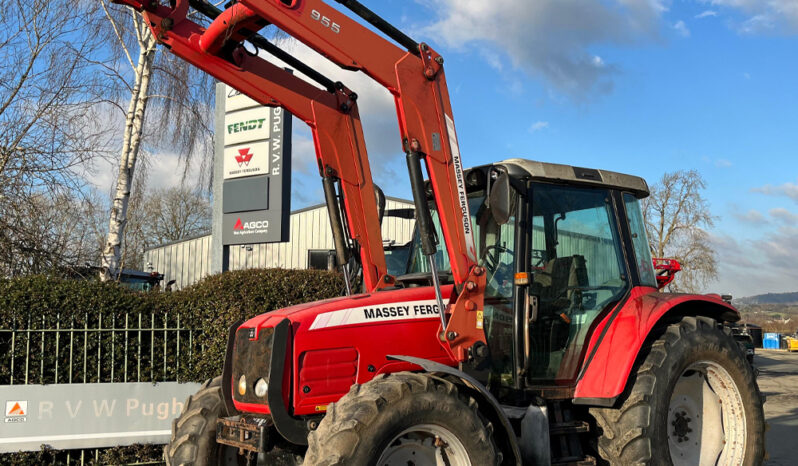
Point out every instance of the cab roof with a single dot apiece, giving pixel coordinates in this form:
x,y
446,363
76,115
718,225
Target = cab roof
x,y
543,171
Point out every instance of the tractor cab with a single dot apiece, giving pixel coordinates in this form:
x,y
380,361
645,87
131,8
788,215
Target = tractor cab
x,y
562,246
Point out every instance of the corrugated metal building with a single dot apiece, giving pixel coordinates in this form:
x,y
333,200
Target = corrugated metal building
x,y
187,261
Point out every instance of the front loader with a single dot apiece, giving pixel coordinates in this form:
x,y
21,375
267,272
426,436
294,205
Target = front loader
x,y
535,333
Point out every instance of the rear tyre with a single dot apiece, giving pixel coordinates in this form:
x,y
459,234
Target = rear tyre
x,y
193,441
403,419
692,400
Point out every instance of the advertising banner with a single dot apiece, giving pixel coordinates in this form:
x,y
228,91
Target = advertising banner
x,y
247,125
246,159
256,158
96,415
235,100
259,226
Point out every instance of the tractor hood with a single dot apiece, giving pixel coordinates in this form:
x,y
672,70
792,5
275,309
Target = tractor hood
x,y
367,308
329,345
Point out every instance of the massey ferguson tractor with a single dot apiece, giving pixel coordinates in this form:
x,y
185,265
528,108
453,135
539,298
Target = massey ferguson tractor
x,y
528,327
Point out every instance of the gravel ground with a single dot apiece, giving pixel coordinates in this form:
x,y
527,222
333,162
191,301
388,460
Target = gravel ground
x,y
778,381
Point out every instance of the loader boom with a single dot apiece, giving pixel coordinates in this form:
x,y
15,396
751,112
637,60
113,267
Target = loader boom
x,y
414,76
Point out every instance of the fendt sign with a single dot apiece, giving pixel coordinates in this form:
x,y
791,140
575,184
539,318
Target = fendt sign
x,y
256,161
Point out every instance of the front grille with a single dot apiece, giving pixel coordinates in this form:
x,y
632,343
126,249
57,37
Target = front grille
x,y
251,358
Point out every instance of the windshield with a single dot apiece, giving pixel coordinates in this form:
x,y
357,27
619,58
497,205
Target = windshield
x,y
496,246
494,243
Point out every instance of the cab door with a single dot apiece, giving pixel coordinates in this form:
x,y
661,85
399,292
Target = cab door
x,y
578,271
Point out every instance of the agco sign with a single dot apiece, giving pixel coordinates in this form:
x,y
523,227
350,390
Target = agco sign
x,y
257,225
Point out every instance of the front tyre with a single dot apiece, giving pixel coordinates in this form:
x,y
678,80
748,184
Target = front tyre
x,y
193,441
403,419
692,400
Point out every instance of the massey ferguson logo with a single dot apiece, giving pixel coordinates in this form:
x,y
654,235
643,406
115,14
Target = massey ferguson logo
x,y
251,226
243,157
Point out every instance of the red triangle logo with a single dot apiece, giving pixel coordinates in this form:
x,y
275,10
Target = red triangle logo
x,y
16,410
243,157
238,225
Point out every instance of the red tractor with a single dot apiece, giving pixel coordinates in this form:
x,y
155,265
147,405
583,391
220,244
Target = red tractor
x,y
534,333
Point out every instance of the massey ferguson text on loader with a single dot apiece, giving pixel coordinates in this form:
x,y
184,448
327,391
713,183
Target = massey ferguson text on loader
x,y
535,333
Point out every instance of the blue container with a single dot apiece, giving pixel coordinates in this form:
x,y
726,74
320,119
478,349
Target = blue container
x,y
771,341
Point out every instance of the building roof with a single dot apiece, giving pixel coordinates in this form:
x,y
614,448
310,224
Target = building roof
x,y
324,206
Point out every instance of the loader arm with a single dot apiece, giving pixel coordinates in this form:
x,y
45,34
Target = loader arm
x,y
415,77
332,114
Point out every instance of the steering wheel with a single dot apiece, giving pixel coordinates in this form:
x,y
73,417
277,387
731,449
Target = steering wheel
x,y
490,256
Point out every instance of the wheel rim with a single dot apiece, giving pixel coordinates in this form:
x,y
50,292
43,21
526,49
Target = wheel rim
x,y
425,444
706,417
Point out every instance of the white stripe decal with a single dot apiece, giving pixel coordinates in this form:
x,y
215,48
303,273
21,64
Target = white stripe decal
x,y
143,433
471,249
426,309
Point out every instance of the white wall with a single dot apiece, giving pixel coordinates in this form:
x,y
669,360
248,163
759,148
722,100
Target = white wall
x,y
188,261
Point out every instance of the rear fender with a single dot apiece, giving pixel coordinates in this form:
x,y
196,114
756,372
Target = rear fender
x,y
489,405
618,338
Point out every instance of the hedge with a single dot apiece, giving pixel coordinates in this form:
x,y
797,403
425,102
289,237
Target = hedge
x,y
208,308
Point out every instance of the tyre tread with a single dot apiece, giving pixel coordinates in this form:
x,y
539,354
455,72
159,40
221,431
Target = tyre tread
x,y
196,427
627,430
350,419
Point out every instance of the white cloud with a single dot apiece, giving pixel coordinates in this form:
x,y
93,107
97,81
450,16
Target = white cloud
x,y
598,62
756,266
780,251
101,174
758,24
718,163
763,16
706,14
783,215
789,190
681,29
538,126
549,38
303,152
752,216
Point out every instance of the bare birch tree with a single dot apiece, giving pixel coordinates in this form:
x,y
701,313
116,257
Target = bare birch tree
x,y
131,141
183,116
677,216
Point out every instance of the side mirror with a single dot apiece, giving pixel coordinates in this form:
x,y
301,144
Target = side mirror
x,y
380,197
500,199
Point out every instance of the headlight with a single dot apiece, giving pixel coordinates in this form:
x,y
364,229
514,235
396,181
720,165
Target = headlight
x,y
242,385
261,387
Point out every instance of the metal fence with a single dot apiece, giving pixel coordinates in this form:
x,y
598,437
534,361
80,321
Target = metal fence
x,y
93,349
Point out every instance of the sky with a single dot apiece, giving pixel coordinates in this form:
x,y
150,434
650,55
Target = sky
x,y
637,86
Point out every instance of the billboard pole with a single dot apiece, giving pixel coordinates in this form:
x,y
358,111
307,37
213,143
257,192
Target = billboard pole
x,y
220,254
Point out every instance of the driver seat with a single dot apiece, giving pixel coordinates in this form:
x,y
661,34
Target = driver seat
x,y
558,279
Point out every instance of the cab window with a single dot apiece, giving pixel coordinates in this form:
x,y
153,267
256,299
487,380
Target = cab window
x,y
637,228
577,271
